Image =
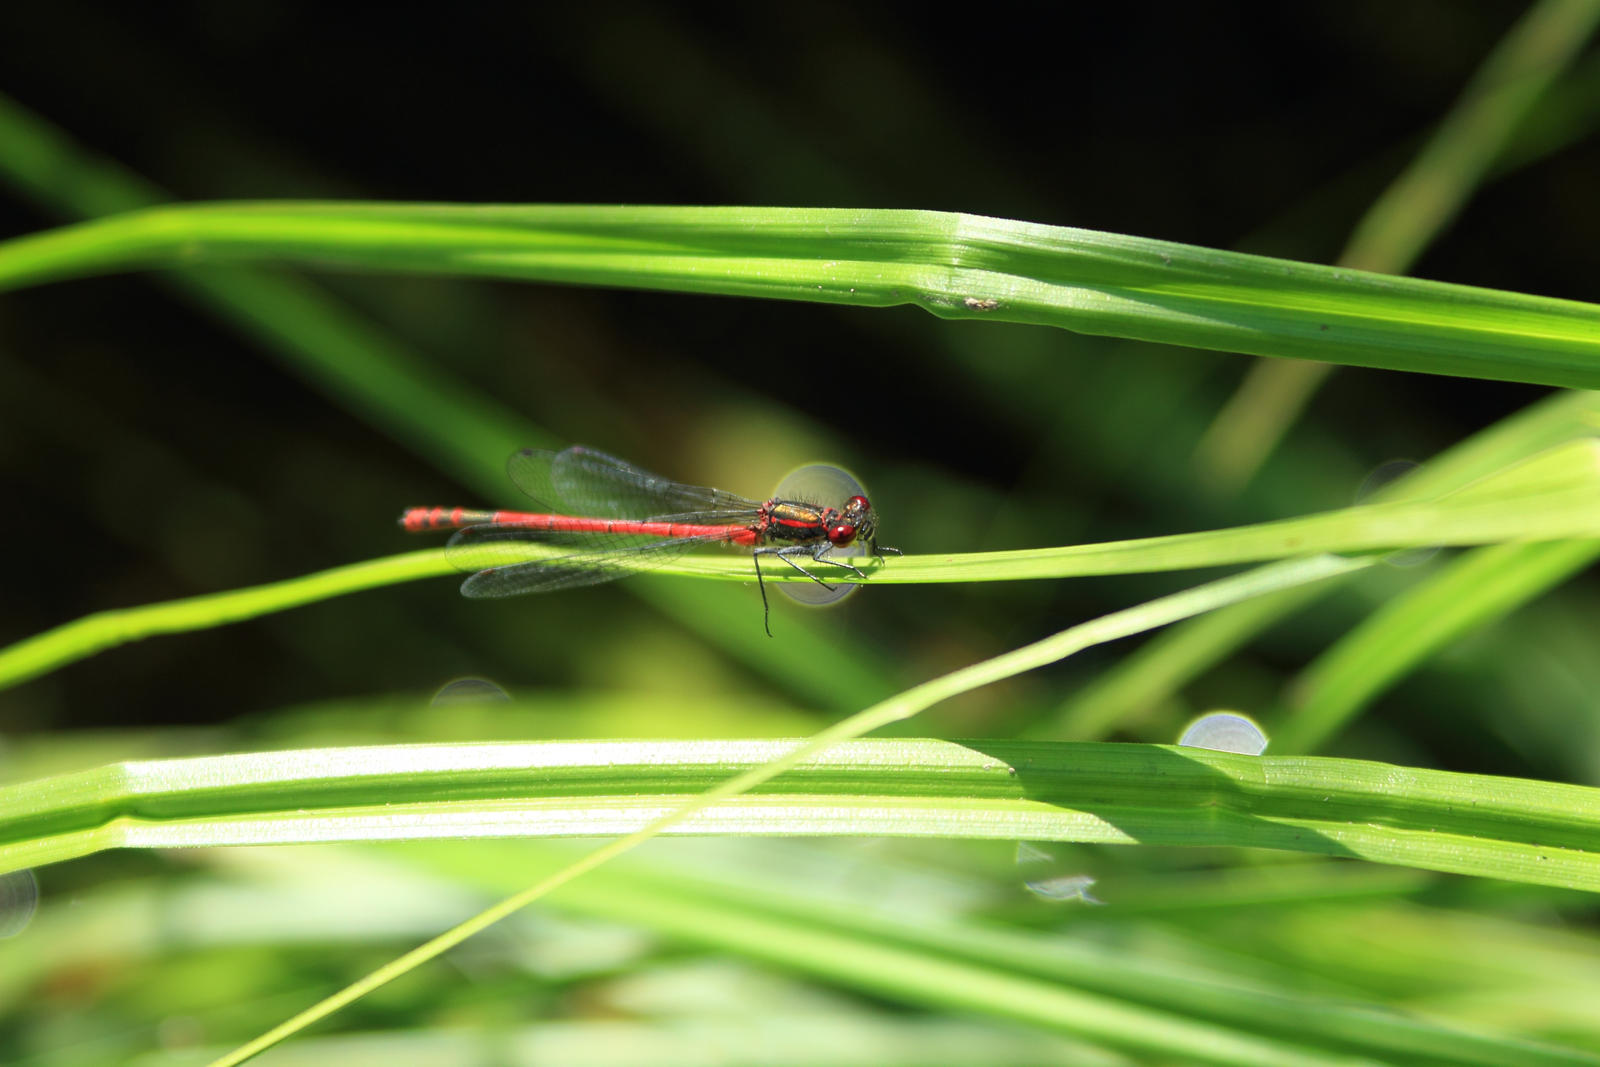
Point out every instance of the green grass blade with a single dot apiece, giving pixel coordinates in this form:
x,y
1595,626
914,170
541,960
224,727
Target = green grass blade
x,y
1430,193
461,431
956,266
1166,663
1420,202
1481,586
1141,681
1554,495
95,633
1161,612
1539,832
674,900
880,967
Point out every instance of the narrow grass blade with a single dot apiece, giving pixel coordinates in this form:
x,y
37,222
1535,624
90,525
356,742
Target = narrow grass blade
x,y
1148,676
1481,586
1166,663
1420,202
785,925
1552,496
461,431
95,633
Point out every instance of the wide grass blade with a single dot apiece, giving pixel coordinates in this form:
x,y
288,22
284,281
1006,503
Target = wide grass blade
x,y
954,265
1161,612
1530,831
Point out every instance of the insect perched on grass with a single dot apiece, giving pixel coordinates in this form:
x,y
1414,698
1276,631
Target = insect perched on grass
x,y
618,520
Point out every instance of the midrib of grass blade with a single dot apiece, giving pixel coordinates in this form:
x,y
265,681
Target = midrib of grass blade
x,y
956,266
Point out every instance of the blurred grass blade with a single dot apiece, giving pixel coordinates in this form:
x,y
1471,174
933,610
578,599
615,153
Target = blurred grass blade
x,y
933,977
1164,665
1160,612
465,432
784,924
801,1037
1480,587
1551,496
461,431
1539,832
956,266
1424,199
1428,195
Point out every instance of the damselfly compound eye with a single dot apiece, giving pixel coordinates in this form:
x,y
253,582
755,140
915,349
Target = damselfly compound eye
x,y
841,534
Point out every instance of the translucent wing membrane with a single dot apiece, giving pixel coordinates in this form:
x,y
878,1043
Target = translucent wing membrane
x,y
582,481
508,561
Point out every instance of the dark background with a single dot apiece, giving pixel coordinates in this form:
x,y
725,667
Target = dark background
x,y
148,452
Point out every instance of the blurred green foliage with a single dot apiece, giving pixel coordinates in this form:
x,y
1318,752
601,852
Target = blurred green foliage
x,y
152,449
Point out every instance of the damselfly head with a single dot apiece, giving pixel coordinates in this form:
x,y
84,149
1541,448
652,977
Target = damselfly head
x,y
856,522
831,495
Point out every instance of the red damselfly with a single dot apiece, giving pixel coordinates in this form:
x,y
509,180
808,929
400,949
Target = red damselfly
x,y
619,520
